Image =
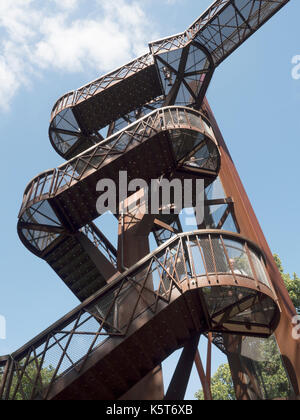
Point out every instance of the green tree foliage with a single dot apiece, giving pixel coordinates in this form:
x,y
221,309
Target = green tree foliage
x,y
291,283
270,372
221,385
23,383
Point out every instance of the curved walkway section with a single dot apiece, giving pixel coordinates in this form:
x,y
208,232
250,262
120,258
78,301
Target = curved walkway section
x,y
174,138
178,68
59,205
203,281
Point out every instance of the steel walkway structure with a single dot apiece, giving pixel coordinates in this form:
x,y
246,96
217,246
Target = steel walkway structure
x,y
139,307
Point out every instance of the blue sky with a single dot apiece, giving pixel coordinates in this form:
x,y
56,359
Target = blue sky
x,y
48,47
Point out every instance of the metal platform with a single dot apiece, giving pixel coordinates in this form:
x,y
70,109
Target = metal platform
x,y
146,118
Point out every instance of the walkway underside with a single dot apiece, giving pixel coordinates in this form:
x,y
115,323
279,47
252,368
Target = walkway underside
x,y
177,70
145,119
59,206
188,286
121,363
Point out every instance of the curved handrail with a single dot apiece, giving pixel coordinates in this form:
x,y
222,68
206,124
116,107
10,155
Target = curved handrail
x,y
128,273
74,97
71,171
178,260
222,28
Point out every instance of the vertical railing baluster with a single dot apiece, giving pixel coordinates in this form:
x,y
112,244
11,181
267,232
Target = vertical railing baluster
x,y
203,259
228,260
252,265
213,257
192,265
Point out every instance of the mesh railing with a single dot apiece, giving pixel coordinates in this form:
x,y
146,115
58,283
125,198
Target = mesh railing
x,y
101,242
224,26
104,82
49,183
197,258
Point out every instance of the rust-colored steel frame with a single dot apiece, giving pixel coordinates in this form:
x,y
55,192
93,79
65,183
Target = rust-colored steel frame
x,y
47,237
249,226
50,183
85,92
57,182
97,319
217,33
179,41
223,27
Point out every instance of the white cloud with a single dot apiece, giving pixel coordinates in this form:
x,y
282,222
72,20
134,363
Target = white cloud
x,y
67,4
60,35
8,84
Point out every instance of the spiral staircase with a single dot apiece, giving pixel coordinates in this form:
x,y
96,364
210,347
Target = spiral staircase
x,y
208,281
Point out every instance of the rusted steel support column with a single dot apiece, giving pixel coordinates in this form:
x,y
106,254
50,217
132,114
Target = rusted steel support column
x,y
134,228
181,376
133,245
3,383
249,226
7,379
204,378
244,379
208,359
